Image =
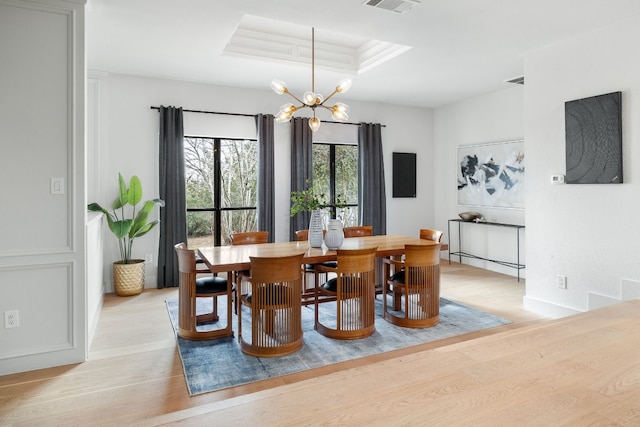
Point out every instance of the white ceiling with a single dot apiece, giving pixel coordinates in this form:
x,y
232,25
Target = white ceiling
x,y
459,48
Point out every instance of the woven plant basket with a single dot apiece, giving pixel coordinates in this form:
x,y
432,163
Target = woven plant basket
x,y
128,279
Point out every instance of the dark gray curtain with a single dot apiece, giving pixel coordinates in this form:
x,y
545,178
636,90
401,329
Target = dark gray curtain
x,y
372,198
301,168
173,216
266,198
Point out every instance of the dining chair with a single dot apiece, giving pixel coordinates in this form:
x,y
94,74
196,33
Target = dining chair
x,y
353,231
414,285
358,231
190,289
245,238
354,292
276,307
309,269
431,234
434,235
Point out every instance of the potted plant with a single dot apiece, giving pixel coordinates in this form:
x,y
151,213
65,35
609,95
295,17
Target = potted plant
x,y
127,223
309,200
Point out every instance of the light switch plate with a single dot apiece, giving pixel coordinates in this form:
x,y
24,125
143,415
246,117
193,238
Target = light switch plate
x,y
57,185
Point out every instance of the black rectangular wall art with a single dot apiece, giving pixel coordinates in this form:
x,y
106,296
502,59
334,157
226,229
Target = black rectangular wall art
x,y
593,129
404,175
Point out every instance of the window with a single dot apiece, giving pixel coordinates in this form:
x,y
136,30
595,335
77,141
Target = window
x,y
335,174
221,176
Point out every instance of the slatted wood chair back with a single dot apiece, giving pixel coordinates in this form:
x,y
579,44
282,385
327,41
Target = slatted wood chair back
x,y
354,291
276,307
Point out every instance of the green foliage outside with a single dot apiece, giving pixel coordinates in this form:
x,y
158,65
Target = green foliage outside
x,y
238,174
238,163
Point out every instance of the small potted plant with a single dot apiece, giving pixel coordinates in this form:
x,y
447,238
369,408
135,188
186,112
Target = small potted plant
x,y
310,201
127,223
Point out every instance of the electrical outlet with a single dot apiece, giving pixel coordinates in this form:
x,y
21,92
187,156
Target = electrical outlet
x,y
562,281
11,319
148,258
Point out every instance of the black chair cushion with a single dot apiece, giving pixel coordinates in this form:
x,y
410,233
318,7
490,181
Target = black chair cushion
x,y
211,284
349,286
398,277
331,285
331,264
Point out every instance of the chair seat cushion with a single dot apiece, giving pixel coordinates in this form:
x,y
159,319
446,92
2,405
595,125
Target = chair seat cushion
x,y
398,277
331,264
331,285
210,285
350,287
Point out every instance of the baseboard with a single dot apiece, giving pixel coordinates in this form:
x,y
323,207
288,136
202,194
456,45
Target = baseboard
x,y
546,308
595,300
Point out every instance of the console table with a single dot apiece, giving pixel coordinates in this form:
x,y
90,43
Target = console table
x,y
461,254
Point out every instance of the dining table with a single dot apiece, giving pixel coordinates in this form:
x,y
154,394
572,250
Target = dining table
x,y
227,259
221,259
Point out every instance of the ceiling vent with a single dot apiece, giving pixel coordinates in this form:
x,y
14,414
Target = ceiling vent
x,y
516,81
397,6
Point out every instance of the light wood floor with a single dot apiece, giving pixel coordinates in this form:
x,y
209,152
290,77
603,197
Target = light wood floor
x,y
526,373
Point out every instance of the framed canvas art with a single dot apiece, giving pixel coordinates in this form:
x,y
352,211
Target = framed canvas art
x,y
593,128
404,174
491,174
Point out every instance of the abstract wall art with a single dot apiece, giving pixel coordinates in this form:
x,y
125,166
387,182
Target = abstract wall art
x,y
491,174
593,128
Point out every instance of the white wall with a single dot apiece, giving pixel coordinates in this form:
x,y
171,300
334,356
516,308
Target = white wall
x,y
586,232
127,142
494,117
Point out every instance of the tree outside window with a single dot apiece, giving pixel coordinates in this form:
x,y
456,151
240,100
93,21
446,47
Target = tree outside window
x,y
221,185
335,174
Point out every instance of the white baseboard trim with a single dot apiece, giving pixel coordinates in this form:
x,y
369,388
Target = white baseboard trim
x,y
546,308
595,300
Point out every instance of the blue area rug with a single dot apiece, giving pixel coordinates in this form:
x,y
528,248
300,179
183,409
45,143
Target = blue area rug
x,y
216,364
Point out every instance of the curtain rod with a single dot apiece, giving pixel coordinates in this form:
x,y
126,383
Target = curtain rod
x,y
253,115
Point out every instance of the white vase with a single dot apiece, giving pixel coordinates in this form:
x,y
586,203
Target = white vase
x,y
315,229
335,235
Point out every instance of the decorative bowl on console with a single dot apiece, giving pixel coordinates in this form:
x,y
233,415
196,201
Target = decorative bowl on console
x,y
470,216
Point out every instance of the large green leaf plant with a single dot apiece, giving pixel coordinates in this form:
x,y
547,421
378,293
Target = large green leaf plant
x,y
128,228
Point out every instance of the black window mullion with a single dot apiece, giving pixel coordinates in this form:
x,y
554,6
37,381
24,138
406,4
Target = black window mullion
x,y
217,202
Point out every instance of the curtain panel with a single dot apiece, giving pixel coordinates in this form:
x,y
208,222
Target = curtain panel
x,y
301,168
173,216
371,197
266,179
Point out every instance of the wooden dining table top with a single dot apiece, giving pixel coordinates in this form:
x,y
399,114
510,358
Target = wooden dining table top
x,y
232,258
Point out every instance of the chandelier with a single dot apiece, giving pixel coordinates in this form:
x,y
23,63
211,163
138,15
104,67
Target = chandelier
x,y
311,99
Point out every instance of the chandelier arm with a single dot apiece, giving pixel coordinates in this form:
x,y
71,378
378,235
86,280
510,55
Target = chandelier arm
x,y
327,98
295,97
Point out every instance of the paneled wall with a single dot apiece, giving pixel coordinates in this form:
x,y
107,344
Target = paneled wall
x,y
43,212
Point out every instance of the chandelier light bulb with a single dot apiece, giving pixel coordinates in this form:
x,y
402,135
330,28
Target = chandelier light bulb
x,y
339,112
343,86
309,98
319,99
279,86
314,123
288,108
